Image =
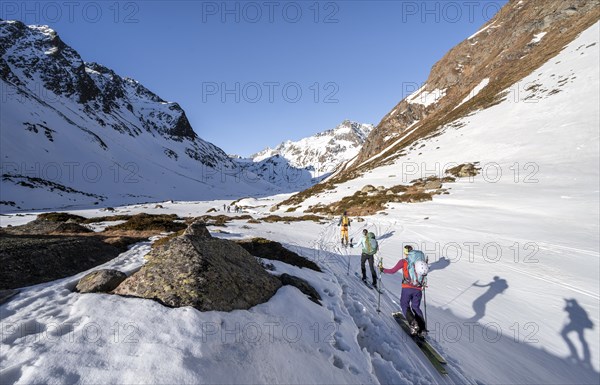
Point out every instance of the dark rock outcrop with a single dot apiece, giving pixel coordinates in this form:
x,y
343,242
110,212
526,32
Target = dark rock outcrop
x,y
32,259
100,281
264,248
301,285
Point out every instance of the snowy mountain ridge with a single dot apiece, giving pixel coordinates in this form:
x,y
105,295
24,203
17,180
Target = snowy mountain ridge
x,y
76,133
323,152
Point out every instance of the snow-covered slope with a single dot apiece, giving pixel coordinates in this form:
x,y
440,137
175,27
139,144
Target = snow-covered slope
x,y
322,153
76,133
521,37
513,294
531,219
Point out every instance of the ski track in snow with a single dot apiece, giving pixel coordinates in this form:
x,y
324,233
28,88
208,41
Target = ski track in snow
x,y
389,358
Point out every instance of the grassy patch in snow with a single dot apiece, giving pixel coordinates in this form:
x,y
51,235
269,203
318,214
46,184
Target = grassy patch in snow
x,y
61,217
369,200
147,222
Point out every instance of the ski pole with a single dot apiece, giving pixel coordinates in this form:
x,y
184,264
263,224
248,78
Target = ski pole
x,y
379,265
348,271
425,304
351,245
457,296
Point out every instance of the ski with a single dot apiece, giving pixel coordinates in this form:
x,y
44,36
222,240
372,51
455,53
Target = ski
x,y
367,284
432,355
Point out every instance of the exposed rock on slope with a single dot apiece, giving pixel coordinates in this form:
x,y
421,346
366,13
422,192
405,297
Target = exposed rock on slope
x,y
106,138
102,281
203,272
264,248
519,39
32,259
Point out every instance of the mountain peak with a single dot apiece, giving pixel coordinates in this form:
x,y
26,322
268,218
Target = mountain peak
x,y
322,153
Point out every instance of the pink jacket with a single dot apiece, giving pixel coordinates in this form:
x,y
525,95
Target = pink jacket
x,y
402,265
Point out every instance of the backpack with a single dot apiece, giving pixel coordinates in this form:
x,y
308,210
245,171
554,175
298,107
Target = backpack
x,y
345,221
417,277
373,243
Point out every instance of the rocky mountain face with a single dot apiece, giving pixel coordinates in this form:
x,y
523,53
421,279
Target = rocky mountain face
x,y
76,133
36,61
479,72
322,153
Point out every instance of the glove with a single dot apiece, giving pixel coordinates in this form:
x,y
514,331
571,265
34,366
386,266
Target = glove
x,y
381,268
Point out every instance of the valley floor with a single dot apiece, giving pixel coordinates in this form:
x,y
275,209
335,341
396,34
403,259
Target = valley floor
x,y
496,309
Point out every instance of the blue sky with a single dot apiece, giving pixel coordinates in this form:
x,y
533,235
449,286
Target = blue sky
x,y
253,74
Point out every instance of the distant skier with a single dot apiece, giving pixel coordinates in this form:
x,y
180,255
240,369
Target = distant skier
x,y
224,207
345,223
369,246
414,269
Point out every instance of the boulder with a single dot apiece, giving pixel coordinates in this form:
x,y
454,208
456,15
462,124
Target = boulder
x,y
198,229
432,185
100,281
380,188
368,188
302,285
389,192
464,170
203,272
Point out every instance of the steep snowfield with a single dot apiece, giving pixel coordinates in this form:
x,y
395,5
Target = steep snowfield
x,y
322,153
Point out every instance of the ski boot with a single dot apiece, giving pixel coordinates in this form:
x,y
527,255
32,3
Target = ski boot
x,y
414,328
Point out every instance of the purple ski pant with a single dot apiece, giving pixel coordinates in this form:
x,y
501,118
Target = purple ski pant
x,y
410,303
